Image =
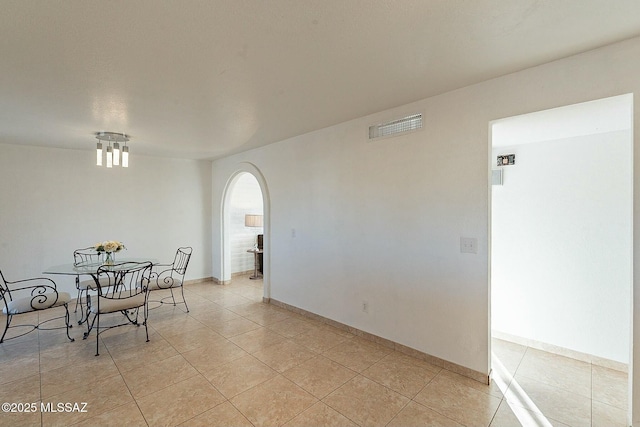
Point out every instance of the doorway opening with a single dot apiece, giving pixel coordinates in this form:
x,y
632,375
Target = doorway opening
x,y
245,225
561,257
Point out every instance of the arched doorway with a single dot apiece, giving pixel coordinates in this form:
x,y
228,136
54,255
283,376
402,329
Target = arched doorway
x,y
229,212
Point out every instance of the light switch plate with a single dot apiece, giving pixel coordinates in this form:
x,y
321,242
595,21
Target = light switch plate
x,y
468,245
496,177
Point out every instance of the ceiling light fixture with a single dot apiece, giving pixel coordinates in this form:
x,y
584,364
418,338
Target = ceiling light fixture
x,y
113,153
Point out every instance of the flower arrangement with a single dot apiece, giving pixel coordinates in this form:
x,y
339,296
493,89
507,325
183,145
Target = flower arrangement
x,y
109,246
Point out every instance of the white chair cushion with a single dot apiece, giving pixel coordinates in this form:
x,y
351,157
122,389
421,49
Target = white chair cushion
x,y
122,301
40,302
91,283
169,283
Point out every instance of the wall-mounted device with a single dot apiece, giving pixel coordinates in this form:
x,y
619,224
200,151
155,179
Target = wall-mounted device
x,y
496,177
506,160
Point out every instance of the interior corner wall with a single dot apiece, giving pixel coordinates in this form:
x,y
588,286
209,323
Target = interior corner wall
x,y
352,220
56,200
561,244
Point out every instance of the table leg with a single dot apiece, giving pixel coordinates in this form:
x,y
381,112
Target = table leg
x,y
255,267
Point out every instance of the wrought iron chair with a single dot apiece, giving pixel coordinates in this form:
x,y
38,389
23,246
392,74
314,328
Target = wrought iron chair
x,y
126,292
85,257
28,296
171,276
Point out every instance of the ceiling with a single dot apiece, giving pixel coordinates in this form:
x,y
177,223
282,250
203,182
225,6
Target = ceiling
x,y
205,79
605,115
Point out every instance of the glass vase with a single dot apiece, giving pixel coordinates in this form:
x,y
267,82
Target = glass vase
x,y
109,258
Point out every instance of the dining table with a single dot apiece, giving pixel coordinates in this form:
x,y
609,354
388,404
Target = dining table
x,y
91,269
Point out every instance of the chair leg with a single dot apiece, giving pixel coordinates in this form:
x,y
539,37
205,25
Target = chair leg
x,y
97,335
129,314
6,328
66,321
82,309
145,310
89,325
79,296
173,298
84,315
184,300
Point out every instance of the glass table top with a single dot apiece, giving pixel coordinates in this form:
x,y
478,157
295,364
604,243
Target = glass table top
x,y
73,269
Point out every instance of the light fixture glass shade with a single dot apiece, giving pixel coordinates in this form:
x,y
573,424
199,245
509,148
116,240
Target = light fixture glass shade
x,y
113,152
109,156
99,154
252,220
125,157
116,154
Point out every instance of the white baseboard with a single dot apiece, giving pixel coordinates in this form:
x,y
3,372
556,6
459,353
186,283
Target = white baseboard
x,y
442,363
561,351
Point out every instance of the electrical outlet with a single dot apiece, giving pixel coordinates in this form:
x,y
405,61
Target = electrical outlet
x,y
468,245
293,233
365,306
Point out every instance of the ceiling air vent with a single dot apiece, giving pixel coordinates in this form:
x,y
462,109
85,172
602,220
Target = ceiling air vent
x,y
395,127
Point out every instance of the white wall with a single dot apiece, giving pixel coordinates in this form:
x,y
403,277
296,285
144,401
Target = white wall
x,y
561,260
246,198
373,221
55,201
382,221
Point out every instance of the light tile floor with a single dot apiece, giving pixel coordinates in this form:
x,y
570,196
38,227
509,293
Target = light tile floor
x,y
234,361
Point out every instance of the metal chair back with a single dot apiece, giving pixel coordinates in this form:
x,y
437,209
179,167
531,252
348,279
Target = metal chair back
x,y
181,260
86,256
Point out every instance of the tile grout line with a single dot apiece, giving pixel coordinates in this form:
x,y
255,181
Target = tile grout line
x,y
125,384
